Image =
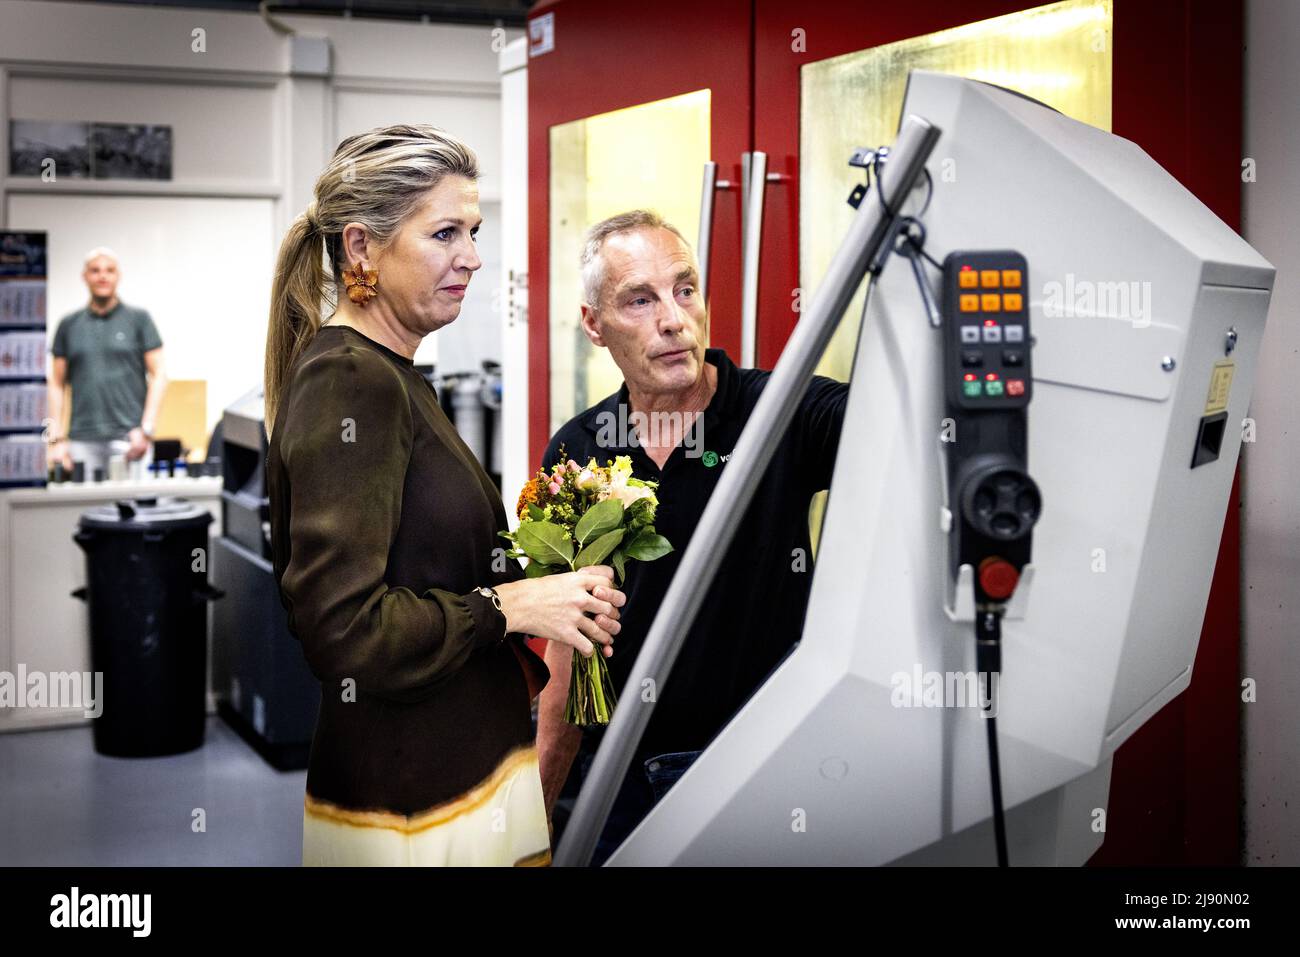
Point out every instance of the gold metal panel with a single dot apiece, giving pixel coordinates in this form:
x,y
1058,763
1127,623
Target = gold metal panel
x,y
647,156
1059,54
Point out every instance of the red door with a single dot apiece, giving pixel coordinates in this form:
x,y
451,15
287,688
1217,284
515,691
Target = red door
x,y
608,56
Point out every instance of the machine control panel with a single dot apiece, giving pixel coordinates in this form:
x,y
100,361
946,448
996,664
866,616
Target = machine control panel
x,y
986,313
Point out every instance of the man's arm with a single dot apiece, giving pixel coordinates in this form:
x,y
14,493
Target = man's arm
x,y
142,434
821,420
57,450
153,363
557,740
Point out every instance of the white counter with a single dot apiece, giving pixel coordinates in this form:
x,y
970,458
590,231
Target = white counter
x,y
41,625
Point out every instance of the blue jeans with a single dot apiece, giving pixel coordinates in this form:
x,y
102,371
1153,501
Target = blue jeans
x,y
663,770
641,790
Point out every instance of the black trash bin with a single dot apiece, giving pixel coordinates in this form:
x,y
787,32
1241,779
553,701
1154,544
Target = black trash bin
x,y
148,592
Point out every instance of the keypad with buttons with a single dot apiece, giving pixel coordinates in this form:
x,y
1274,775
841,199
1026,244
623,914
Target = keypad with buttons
x,y
987,352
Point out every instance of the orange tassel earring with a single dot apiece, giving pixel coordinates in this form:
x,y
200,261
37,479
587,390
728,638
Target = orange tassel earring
x,y
361,284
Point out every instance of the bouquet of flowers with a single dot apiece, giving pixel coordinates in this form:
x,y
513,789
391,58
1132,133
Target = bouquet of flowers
x,y
577,516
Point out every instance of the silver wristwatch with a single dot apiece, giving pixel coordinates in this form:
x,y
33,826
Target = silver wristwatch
x,y
491,593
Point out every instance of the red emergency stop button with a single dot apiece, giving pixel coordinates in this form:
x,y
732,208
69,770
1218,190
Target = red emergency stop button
x,y
998,577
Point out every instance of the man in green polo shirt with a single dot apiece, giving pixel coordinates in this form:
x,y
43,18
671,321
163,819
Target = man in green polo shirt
x,y
104,351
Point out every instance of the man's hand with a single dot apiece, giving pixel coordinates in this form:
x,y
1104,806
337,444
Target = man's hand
x,y
58,452
139,444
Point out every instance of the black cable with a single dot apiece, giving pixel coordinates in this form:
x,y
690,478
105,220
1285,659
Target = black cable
x,y
880,187
988,662
909,222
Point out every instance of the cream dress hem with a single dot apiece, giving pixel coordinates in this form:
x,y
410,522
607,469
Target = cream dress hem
x,y
499,822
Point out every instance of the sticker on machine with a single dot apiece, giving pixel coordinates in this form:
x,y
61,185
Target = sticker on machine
x,y
1220,385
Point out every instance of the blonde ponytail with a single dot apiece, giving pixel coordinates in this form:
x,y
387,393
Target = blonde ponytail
x,y
300,281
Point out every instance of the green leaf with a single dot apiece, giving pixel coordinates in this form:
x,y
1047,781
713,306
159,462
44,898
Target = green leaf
x,y
545,543
538,570
648,546
597,551
535,513
596,521
618,560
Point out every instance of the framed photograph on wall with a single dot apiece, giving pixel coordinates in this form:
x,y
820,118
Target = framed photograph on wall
x,y
37,148
130,151
90,150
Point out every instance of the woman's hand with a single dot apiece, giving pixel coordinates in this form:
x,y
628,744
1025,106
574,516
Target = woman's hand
x,y
555,608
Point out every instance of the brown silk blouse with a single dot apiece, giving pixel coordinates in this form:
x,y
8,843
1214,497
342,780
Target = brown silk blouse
x,y
382,524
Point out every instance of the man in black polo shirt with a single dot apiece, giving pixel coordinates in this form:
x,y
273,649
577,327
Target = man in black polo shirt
x,y
678,416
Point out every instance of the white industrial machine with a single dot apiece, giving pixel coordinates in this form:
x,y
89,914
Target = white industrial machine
x,y
1038,452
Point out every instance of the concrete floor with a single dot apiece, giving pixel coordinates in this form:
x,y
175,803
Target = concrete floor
x,y
61,803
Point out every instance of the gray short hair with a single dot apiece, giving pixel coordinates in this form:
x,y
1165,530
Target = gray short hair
x,y
593,263
99,251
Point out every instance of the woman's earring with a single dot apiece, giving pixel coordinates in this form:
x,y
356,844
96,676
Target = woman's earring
x,y
360,283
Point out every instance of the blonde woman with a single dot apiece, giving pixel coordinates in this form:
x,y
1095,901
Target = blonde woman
x,y
384,530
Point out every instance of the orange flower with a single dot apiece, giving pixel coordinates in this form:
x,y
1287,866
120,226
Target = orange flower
x,y
530,494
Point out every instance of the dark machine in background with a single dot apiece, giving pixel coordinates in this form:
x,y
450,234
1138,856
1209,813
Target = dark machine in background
x,y
472,402
270,696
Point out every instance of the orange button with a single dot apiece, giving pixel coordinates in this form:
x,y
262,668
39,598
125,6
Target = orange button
x,y
968,279
1015,387
989,278
991,302
1011,277
970,303
1011,301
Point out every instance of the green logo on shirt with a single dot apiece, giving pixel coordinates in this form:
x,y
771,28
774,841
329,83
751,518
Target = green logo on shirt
x,y
710,459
